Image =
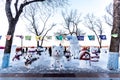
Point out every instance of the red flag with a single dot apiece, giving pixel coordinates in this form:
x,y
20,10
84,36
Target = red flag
x,y
8,37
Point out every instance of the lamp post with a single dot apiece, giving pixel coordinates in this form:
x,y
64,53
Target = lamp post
x,y
21,37
21,41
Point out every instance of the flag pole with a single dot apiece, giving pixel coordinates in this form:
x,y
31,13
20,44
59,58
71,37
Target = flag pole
x,y
21,42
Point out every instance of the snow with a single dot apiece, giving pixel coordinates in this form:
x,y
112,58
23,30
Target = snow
x,y
42,65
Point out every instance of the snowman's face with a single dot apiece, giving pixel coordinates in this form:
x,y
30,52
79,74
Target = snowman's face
x,y
57,51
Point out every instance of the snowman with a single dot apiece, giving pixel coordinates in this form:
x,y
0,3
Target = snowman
x,y
74,47
57,57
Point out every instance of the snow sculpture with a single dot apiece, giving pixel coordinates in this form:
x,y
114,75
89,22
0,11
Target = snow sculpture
x,y
74,47
85,55
29,59
95,53
40,49
18,54
57,55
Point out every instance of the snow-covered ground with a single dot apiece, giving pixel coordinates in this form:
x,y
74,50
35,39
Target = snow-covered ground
x,y
44,61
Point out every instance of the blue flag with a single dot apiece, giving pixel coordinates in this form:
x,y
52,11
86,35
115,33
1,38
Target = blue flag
x,y
102,37
69,37
0,36
81,38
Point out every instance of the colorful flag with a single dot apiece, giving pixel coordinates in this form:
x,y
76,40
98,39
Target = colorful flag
x,y
49,37
114,35
81,38
60,37
8,37
0,36
69,37
64,36
102,37
38,38
91,37
20,36
27,37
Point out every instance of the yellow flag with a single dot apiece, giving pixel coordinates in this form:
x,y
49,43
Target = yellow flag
x,y
38,38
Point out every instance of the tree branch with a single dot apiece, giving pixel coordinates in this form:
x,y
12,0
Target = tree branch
x,y
46,20
16,4
23,5
8,10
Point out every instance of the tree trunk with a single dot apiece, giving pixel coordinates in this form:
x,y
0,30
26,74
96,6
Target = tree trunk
x,y
37,43
100,44
8,45
114,45
12,24
41,42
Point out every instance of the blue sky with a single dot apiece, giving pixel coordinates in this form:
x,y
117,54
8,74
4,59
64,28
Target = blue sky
x,y
96,7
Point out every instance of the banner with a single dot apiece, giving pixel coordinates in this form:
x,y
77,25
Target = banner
x,y
20,36
114,35
27,37
102,37
64,36
8,37
49,37
60,37
0,36
38,38
80,38
69,37
91,37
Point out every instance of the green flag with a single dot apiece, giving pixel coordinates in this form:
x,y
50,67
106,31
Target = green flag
x,y
49,37
27,37
60,37
114,35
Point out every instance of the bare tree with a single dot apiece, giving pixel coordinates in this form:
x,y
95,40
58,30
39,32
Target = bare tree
x,y
80,32
71,21
38,20
14,9
109,16
114,44
95,25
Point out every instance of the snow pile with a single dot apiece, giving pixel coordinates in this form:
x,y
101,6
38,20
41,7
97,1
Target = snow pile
x,y
42,65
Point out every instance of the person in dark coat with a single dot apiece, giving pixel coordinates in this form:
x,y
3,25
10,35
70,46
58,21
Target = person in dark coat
x,y
50,51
